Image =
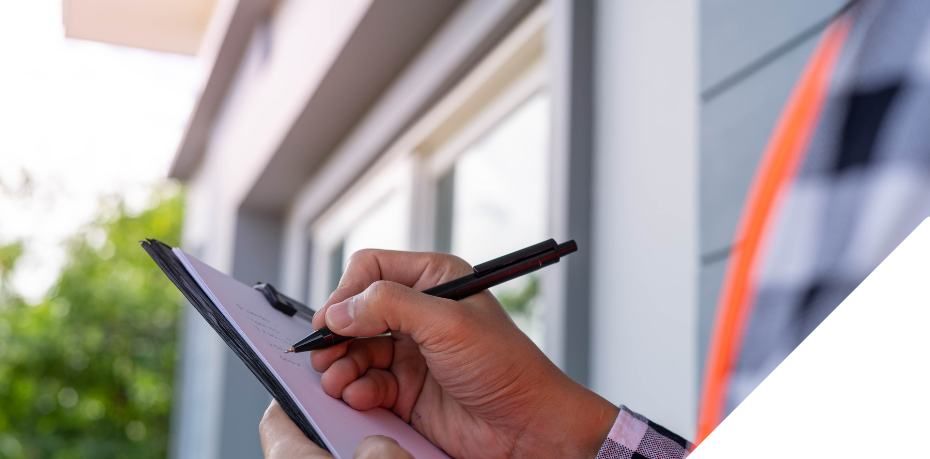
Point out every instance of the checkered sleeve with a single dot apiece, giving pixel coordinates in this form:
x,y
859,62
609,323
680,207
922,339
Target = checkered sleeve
x,y
635,437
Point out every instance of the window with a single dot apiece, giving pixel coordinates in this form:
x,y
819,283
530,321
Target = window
x,y
374,214
492,200
487,166
380,226
471,177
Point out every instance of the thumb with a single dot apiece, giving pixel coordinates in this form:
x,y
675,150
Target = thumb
x,y
380,447
389,306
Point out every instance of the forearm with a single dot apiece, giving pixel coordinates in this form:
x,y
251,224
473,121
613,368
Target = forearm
x,y
576,422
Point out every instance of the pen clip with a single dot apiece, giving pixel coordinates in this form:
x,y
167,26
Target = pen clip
x,y
515,257
282,302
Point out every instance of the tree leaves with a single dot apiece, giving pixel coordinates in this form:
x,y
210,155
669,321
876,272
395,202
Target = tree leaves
x,y
88,371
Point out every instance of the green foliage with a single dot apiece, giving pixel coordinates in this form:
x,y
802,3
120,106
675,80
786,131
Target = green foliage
x,y
88,371
519,301
9,255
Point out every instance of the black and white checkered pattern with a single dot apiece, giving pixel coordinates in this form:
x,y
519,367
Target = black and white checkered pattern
x,y
635,437
863,185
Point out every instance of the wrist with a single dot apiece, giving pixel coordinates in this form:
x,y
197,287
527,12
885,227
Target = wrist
x,y
575,424
595,419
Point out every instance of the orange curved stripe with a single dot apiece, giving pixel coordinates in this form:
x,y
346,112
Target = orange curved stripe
x,y
778,167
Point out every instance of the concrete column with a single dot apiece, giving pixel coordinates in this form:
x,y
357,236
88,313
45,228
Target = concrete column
x,y
256,258
645,222
570,57
219,402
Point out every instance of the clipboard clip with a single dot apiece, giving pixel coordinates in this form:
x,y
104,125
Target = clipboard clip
x,y
282,302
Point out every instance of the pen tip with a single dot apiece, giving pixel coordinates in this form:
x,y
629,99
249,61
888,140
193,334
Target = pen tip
x,y
289,350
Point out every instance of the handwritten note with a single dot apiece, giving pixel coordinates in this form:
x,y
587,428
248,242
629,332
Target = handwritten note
x,y
269,333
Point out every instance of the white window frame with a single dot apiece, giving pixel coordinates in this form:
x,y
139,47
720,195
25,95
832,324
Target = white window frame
x,y
512,73
437,160
392,174
508,76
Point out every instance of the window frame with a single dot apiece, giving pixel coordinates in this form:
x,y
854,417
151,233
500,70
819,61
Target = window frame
x,y
392,174
508,76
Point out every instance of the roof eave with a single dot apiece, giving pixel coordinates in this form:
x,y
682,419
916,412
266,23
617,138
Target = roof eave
x,y
223,47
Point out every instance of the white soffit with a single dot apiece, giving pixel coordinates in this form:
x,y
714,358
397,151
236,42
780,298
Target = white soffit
x,y
175,26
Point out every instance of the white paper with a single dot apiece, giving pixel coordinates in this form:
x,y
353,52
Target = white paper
x,y
269,333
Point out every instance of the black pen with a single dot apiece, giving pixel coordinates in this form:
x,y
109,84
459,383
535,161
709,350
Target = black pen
x,y
484,276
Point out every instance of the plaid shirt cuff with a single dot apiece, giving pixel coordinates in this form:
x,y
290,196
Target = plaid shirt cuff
x,y
635,437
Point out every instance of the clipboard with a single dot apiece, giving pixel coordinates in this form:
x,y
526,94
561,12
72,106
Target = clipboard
x,y
337,427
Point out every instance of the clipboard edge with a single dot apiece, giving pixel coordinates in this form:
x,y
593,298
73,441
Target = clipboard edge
x,y
168,262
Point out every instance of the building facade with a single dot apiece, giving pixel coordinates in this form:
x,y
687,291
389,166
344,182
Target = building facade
x,y
477,127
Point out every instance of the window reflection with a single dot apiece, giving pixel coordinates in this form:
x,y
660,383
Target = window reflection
x,y
384,226
494,200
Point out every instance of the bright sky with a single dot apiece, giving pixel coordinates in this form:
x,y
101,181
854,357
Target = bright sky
x,y
82,121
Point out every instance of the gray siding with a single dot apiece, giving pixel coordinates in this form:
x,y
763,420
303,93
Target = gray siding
x,y
644,209
736,32
737,121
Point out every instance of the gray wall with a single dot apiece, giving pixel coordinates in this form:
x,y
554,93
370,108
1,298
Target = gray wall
x,y
737,116
217,410
644,208
256,259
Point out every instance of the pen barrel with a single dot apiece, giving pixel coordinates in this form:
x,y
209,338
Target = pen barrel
x,y
334,339
485,276
511,272
456,289
474,283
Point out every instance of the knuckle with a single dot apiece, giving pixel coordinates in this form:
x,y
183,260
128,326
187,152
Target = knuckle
x,y
361,352
380,291
458,261
452,261
378,446
450,265
360,256
330,383
348,284
265,424
357,263
318,361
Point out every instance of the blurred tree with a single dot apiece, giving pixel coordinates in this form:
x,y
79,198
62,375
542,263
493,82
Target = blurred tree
x,y
9,255
88,371
519,300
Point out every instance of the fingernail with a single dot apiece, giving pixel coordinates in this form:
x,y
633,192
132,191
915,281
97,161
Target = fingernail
x,y
339,315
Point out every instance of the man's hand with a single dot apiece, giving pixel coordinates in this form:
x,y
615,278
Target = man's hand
x,y
460,372
282,439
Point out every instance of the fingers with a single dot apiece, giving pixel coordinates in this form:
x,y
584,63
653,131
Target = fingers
x,y
414,269
351,363
282,439
419,270
323,358
385,306
409,368
361,355
377,352
380,447
377,388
